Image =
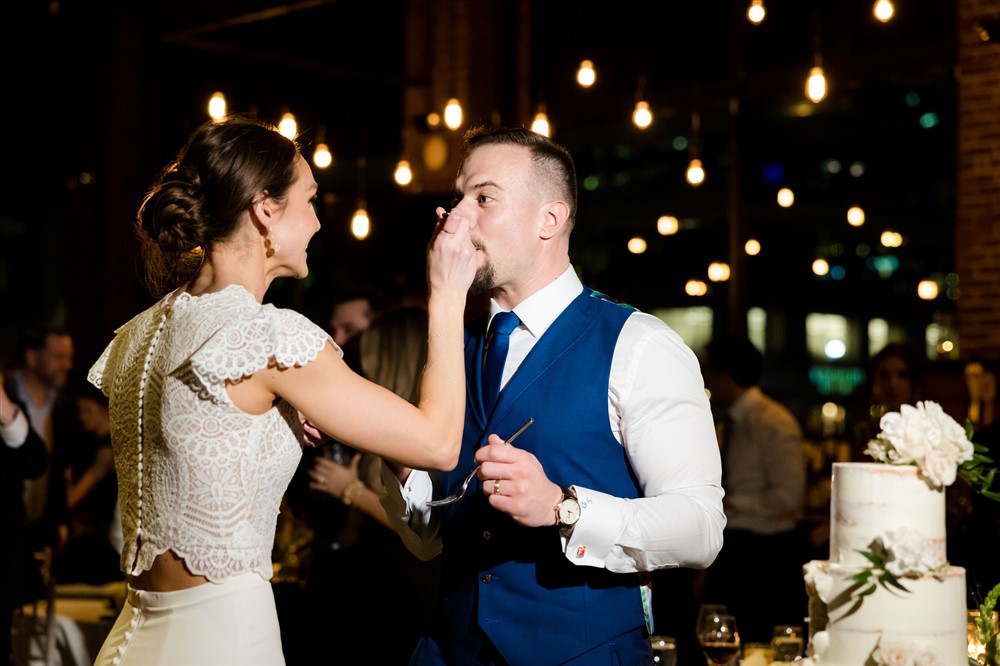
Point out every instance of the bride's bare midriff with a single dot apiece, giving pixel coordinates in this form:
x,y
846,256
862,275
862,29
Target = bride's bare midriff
x,y
167,574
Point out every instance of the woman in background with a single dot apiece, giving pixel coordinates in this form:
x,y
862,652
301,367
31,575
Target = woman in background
x,y
377,566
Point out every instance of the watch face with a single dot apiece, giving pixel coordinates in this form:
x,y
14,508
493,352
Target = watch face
x,y
569,511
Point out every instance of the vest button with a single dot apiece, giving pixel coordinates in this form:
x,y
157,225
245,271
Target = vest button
x,y
487,536
487,578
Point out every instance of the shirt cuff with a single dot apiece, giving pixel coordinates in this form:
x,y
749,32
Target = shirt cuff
x,y
15,433
586,543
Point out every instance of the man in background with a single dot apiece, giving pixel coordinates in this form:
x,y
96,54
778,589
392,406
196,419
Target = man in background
x,y
46,359
352,312
22,457
764,476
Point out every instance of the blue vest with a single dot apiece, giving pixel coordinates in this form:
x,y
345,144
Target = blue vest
x,y
515,582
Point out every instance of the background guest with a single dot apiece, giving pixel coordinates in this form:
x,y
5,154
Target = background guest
x,y
46,359
89,555
23,456
758,574
373,564
895,378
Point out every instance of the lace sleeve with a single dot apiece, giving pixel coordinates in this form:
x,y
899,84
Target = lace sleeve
x,y
242,347
101,374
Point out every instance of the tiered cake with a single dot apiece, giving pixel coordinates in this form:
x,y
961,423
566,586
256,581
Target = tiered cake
x,y
892,511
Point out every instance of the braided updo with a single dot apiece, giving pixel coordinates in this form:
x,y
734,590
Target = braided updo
x,y
200,197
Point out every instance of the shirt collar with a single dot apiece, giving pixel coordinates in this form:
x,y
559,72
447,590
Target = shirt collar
x,y
538,311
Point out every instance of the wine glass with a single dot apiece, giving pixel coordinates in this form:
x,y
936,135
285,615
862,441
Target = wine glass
x,y
787,642
719,638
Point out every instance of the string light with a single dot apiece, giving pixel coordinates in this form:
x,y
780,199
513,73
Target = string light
x,y
816,85
695,173
752,247
403,174
217,106
642,116
891,239
287,127
453,114
756,12
821,267
667,225
637,245
695,288
786,197
586,76
884,10
361,226
540,125
927,290
718,271
855,216
322,158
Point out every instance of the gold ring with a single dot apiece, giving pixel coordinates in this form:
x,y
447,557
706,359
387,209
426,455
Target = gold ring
x,y
496,487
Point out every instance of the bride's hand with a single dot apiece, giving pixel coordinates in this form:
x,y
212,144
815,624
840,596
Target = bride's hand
x,y
452,259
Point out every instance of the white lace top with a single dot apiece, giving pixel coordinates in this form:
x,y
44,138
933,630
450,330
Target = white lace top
x,y
196,475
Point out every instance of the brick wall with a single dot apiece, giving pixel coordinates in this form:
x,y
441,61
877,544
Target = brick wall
x,y
977,219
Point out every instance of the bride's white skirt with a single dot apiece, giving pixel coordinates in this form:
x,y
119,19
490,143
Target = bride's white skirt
x,y
233,622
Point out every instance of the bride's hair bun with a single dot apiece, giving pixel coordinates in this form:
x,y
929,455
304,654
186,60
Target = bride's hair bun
x,y
173,214
205,194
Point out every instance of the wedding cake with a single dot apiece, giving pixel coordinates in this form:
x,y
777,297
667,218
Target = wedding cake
x,y
887,595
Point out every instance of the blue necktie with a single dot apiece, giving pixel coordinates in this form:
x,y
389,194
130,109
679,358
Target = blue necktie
x,y
499,340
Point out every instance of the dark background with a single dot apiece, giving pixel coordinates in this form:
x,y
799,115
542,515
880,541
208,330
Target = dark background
x,y
99,96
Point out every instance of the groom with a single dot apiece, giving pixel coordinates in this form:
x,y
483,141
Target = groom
x,y
545,563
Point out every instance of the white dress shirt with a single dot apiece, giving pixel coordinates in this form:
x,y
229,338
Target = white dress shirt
x,y
765,466
659,412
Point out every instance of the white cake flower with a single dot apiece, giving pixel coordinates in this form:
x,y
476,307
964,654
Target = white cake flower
x,y
897,651
817,577
925,436
910,553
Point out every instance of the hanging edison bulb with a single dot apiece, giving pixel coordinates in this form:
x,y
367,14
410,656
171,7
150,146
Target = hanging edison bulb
x,y
756,12
586,76
718,271
667,225
855,216
403,174
786,197
217,106
361,226
642,116
695,173
540,125
884,10
453,114
322,157
816,85
287,127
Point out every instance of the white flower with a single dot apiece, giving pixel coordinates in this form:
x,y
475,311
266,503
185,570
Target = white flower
x,y
909,553
926,658
817,576
923,435
889,653
941,466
